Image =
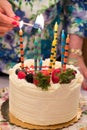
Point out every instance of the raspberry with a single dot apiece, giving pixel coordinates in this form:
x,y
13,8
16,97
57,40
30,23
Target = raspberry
x,y
21,75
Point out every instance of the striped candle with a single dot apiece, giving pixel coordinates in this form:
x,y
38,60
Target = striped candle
x,y
63,42
52,56
35,54
39,48
53,48
37,51
39,23
21,48
40,64
66,53
55,41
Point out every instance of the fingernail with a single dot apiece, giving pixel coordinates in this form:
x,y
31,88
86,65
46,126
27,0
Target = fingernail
x,y
16,17
15,23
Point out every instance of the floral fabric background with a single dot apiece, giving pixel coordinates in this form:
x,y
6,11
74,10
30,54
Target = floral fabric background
x,y
28,11
69,13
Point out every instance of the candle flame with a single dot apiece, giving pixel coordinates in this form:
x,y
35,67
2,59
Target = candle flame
x,y
21,24
40,21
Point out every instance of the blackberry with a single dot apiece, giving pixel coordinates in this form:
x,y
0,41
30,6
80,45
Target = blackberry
x,y
29,78
17,70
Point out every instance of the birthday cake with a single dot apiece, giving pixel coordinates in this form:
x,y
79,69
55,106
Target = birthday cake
x,y
44,99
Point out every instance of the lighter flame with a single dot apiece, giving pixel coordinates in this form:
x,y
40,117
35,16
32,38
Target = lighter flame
x,y
38,23
40,20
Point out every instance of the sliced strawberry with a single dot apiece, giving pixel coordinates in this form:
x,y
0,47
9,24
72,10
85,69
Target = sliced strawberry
x,y
55,77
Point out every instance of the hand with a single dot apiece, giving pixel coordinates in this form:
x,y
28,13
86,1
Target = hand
x,y
7,17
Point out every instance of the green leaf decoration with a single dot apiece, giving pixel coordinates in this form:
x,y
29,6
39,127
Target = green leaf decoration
x,y
43,81
67,76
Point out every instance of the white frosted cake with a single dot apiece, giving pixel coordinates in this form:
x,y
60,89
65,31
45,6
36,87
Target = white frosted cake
x,y
35,105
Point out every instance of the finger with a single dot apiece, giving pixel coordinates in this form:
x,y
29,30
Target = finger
x,y
2,34
4,30
5,25
1,10
16,17
7,20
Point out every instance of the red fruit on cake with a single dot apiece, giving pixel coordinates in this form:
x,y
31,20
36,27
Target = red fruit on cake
x,y
42,73
21,75
55,77
35,81
45,72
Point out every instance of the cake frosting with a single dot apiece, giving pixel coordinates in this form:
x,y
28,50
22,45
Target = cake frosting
x,y
31,104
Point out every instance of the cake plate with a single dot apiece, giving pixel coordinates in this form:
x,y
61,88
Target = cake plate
x,y
13,120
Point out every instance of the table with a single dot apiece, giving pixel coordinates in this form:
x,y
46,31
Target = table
x,y
76,126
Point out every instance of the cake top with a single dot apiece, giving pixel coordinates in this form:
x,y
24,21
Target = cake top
x,y
43,79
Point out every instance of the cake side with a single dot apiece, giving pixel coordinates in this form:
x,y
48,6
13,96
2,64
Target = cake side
x,y
57,105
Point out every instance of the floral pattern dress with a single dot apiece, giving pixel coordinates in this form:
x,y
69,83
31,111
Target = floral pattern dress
x,y
68,14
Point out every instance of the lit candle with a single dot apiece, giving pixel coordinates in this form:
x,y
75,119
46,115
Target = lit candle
x,y
39,48
66,53
21,45
53,48
37,58
62,47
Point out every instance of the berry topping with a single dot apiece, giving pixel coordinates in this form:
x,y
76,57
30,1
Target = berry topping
x,y
17,70
67,76
36,81
45,72
42,79
21,74
55,77
29,77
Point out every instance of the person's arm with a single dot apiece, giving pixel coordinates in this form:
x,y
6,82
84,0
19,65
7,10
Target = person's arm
x,y
75,20
7,17
76,17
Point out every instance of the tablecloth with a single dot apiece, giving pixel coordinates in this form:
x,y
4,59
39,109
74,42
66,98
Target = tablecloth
x,y
82,123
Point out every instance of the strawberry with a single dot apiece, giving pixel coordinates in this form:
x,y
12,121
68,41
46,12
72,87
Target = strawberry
x,y
35,80
55,77
45,72
40,77
21,75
